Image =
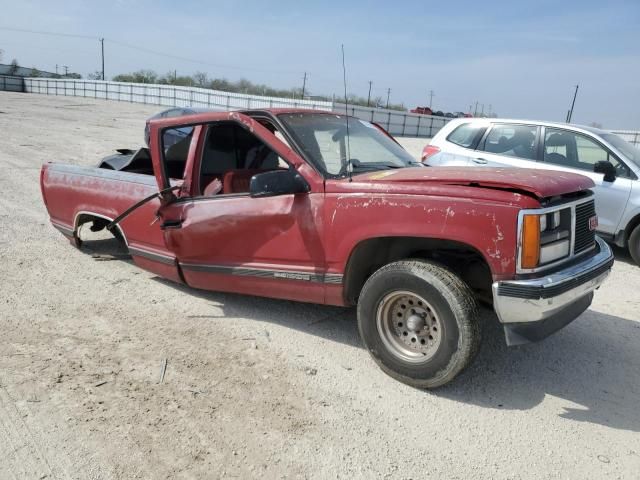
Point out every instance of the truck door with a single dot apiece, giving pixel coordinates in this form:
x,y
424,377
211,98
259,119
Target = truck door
x,y
226,240
144,234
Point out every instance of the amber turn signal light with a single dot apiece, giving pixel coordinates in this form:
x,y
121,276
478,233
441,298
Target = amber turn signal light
x,y
530,256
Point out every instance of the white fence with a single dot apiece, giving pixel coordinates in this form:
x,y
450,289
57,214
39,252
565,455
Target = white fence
x,y
630,136
394,121
165,95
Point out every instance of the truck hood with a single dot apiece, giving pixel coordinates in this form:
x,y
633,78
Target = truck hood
x,y
540,183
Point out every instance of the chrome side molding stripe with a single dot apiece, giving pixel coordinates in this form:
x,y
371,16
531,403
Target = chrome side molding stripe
x,y
66,231
331,278
156,257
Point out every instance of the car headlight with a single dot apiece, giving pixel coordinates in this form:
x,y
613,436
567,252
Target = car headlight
x,y
545,238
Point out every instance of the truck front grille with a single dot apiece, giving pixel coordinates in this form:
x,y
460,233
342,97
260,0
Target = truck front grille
x,y
585,237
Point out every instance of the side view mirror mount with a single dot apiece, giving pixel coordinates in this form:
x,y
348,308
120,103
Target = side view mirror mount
x,y
607,169
277,182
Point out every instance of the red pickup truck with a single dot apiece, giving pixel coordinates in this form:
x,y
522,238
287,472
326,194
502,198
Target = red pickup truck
x,y
324,208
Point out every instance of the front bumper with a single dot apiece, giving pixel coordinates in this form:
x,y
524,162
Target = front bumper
x,y
533,309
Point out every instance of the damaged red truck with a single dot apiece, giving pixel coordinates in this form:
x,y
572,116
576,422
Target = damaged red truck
x,y
324,208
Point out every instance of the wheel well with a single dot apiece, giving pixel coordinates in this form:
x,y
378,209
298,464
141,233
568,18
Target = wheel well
x,y
464,260
635,221
99,223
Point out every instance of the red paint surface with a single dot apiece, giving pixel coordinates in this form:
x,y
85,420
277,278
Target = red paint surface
x,y
312,233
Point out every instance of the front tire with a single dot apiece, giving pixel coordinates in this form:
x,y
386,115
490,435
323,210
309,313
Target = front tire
x,y
419,322
634,244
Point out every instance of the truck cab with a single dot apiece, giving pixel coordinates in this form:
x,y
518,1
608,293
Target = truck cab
x,y
325,208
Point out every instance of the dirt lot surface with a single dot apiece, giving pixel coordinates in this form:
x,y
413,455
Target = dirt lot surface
x,y
264,388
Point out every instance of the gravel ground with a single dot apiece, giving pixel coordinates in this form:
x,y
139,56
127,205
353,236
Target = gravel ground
x,y
264,388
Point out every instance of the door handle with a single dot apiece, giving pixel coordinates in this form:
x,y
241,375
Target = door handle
x,y
169,224
479,161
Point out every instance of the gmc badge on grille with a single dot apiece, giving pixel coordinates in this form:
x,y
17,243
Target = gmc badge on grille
x,y
593,223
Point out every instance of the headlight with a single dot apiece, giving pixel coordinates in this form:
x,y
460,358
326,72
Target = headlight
x,y
545,238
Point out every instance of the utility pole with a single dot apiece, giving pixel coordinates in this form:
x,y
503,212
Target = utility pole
x,y
430,98
102,50
66,70
56,69
175,76
369,95
570,114
388,95
482,112
304,84
490,112
475,110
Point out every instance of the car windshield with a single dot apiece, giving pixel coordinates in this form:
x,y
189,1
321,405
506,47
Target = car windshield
x,y
628,150
323,137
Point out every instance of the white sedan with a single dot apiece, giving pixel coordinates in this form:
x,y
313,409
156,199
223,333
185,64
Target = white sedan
x,y
611,162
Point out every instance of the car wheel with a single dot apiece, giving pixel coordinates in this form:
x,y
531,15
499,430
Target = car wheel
x,y
419,321
634,244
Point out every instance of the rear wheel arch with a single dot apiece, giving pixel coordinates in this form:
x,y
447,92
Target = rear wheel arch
x,y
371,254
100,220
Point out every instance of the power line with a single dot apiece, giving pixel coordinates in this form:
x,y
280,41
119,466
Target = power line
x,y
143,49
40,32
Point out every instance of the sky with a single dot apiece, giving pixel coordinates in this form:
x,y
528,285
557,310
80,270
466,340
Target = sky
x,y
521,59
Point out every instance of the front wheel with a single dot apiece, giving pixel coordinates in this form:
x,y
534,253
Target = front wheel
x,y
419,322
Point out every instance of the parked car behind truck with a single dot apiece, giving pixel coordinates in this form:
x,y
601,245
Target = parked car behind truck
x,y
611,162
318,207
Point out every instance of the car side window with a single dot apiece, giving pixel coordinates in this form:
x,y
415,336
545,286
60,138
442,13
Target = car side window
x,y
574,150
512,140
232,155
466,135
175,146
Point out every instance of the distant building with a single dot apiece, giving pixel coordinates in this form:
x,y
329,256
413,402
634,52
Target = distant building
x,y
9,69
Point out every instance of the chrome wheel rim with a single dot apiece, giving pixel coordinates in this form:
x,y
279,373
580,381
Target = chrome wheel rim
x,y
409,326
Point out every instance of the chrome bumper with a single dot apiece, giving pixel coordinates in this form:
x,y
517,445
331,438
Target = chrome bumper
x,y
533,309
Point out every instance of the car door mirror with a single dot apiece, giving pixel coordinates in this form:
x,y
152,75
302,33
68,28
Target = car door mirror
x,y
277,182
607,169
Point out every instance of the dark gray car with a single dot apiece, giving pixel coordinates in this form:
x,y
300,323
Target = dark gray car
x,y
174,135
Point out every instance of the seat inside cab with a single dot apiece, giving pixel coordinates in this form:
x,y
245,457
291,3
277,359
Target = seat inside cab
x,y
231,156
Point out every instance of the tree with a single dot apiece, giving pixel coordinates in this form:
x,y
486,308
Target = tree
x,y
141,76
200,79
97,75
243,85
13,69
34,72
